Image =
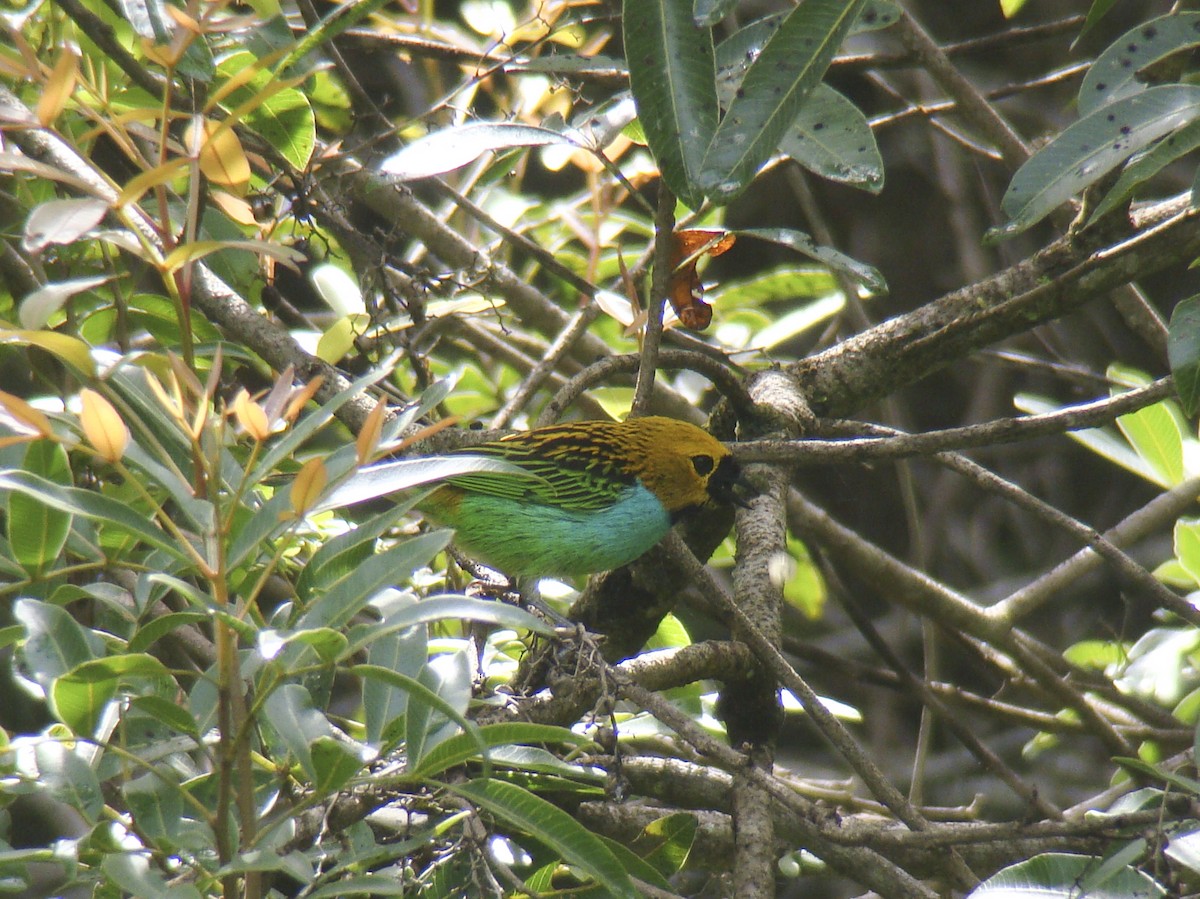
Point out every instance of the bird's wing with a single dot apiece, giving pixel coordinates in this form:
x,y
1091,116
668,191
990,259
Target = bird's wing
x,y
582,485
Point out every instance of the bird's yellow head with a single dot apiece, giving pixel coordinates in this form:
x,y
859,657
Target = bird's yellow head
x,y
681,464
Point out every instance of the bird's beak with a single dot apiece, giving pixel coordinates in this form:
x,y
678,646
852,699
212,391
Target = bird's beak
x,y
741,491
730,485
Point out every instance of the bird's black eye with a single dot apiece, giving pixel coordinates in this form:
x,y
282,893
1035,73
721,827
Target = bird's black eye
x,y
703,464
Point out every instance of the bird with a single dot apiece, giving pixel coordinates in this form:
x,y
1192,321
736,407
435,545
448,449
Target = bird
x,y
600,494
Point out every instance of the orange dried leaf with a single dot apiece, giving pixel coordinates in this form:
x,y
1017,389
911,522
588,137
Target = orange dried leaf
x,y
368,435
59,87
102,426
307,487
251,417
25,414
302,396
685,291
222,159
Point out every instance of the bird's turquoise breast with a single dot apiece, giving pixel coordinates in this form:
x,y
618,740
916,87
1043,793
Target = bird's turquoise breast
x,y
518,537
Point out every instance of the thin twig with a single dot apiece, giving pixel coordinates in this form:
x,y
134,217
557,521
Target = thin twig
x,y
664,239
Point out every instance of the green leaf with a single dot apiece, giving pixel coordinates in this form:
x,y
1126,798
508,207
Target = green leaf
x,y
337,558
335,764
1183,351
1096,12
133,874
338,19
1187,545
1058,875
54,642
1096,654
1156,435
156,803
552,826
802,243
363,885
290,712
346,597
1118,72
437,608
404,652
1010,8
463,747
770,97
634,865
832,138
157,628
1146,166
1185,784
1093,147
387,478
287,122
91,505
707,13
79,696
666,843
1102,441
416,688
66,776
167,713
38,532
449,677
672,76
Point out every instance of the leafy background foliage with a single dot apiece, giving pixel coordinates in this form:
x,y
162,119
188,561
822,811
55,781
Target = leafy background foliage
x,y
251,250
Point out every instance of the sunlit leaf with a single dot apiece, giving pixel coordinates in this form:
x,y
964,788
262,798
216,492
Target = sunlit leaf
x,y
452,148
62,222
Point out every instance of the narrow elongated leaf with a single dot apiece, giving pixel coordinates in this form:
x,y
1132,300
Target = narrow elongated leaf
x,y
838,261
666,843
347,596
671,73
1146,166
1104,442
552,826
452,148
770,96
1093,147
90,505
70,350
437,608
383,703
464,747
1183,351
1118,71
421,692
449,677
